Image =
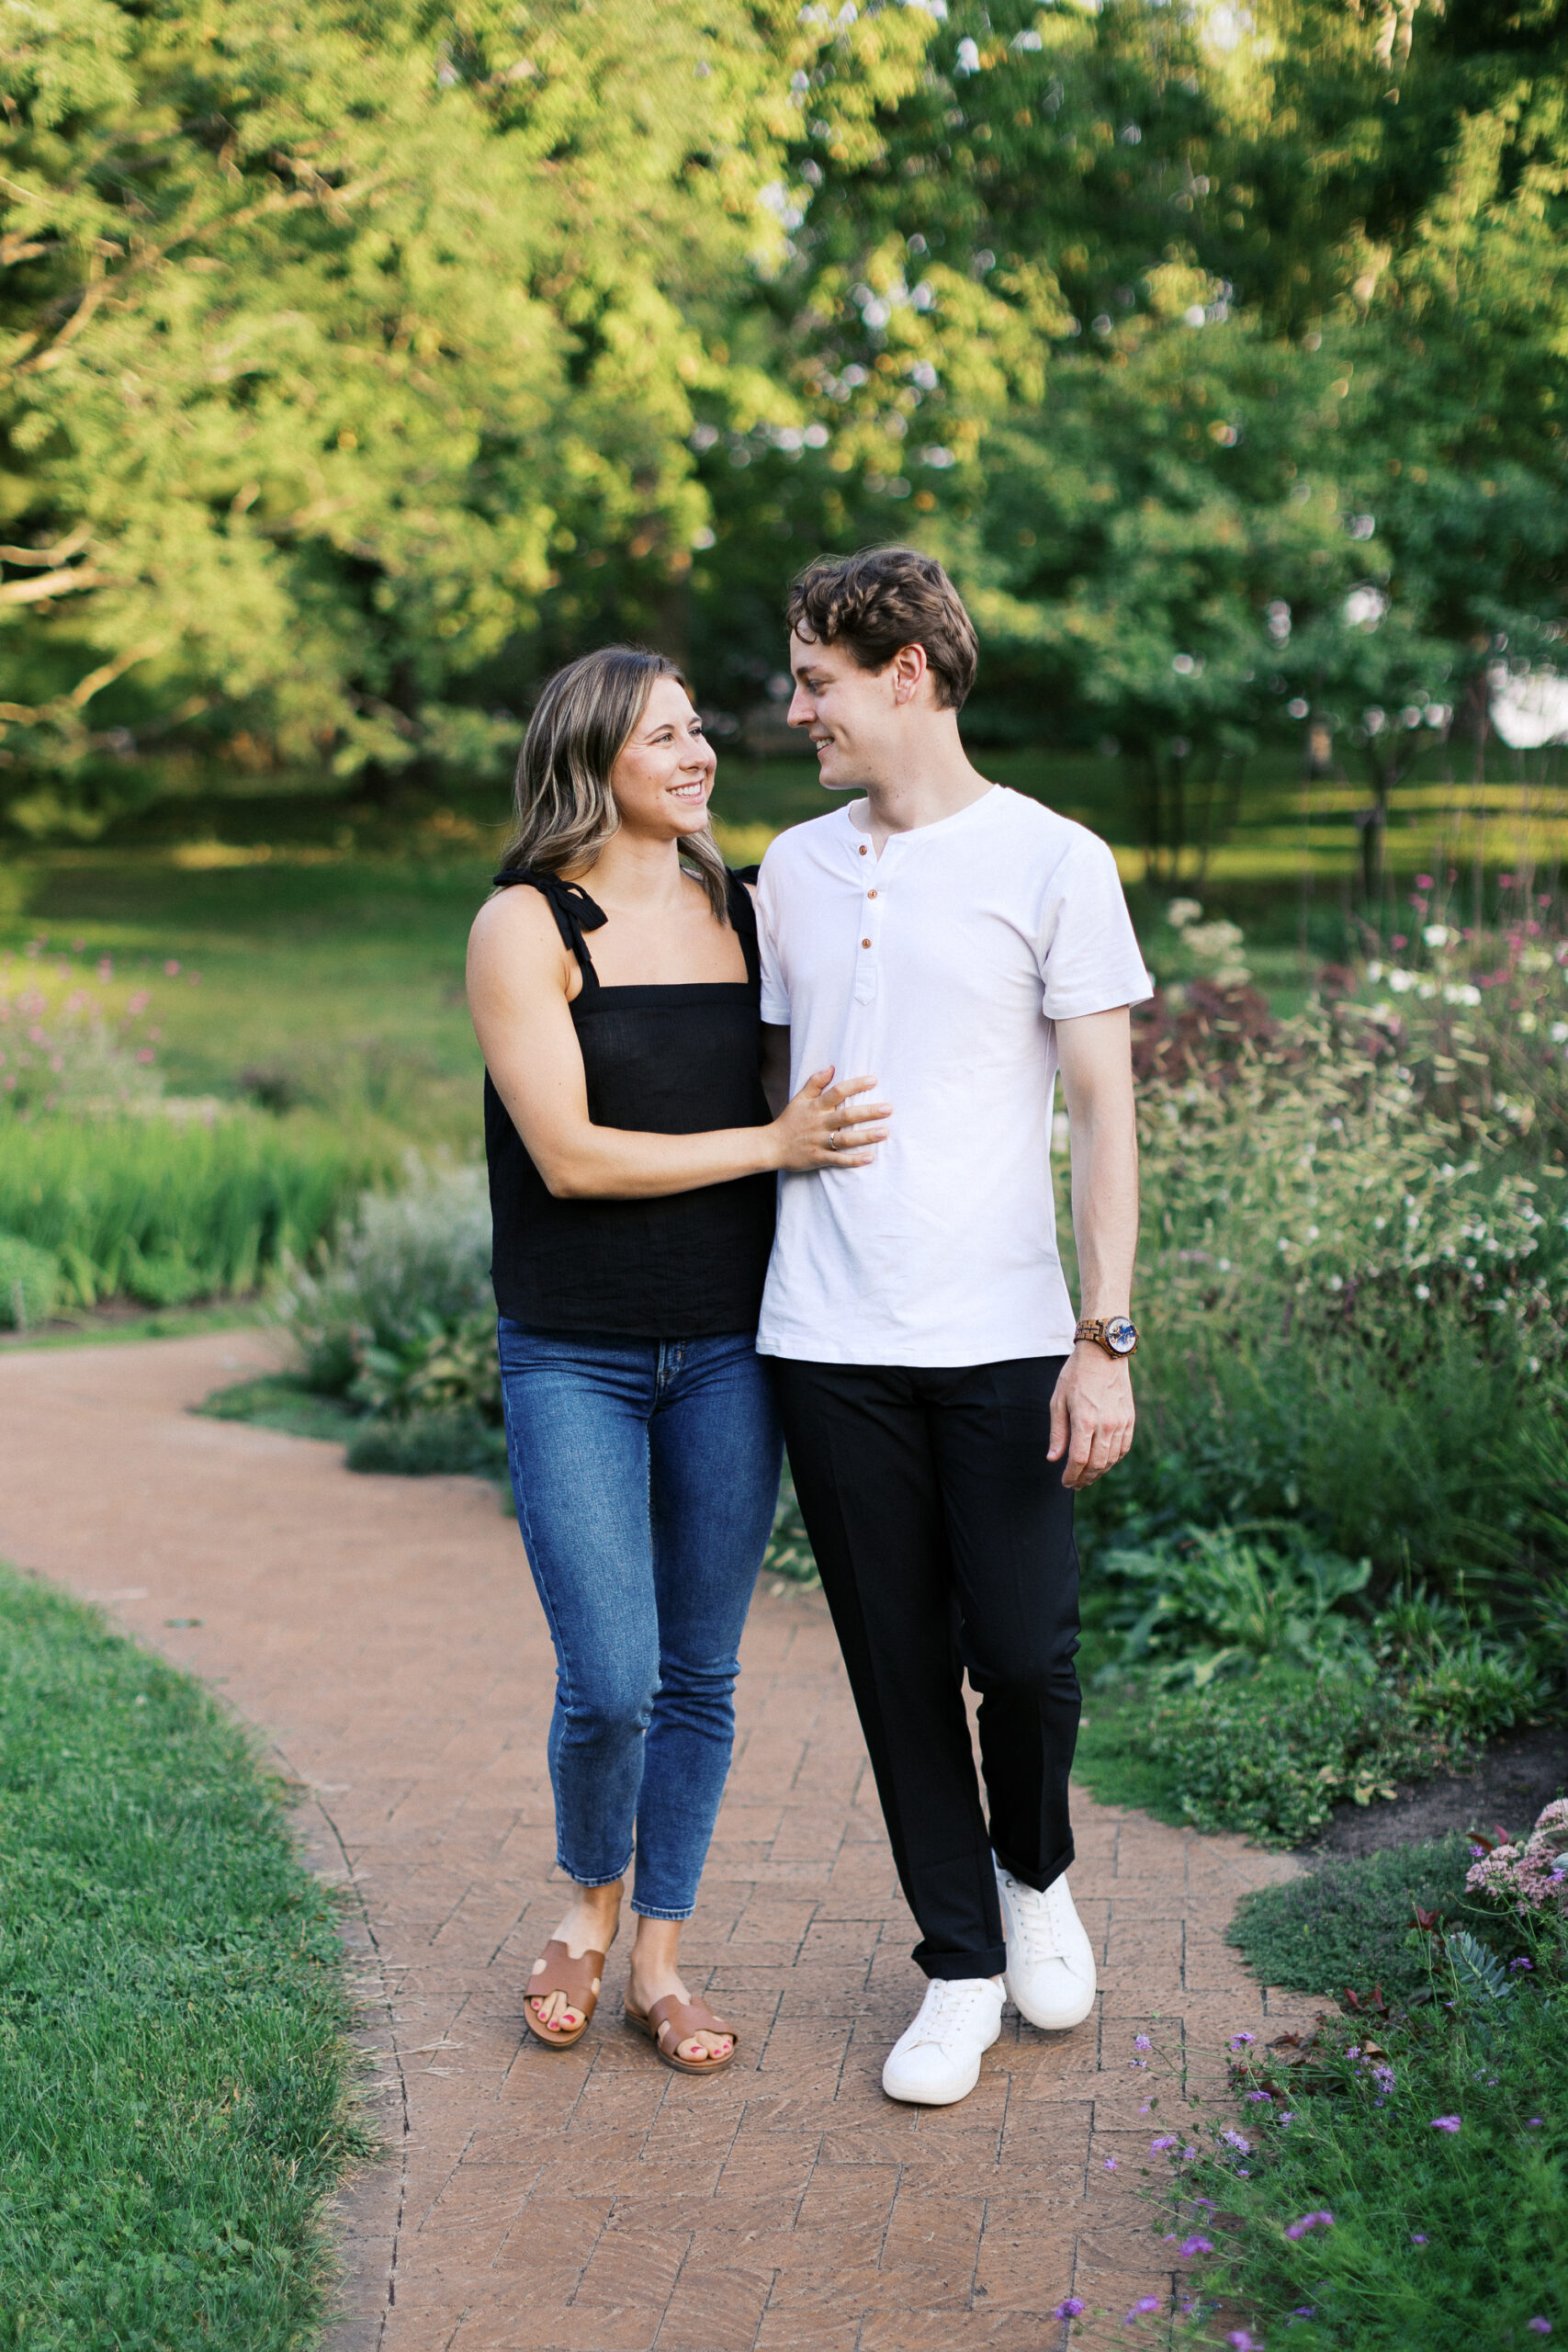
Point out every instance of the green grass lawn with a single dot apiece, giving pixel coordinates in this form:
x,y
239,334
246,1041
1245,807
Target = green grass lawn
x,y
175,2084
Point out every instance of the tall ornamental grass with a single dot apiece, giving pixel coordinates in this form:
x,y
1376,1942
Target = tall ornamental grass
x,y
165,1212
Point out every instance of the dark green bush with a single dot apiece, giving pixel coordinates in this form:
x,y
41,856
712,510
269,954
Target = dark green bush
x,y
429,1445
1349,1922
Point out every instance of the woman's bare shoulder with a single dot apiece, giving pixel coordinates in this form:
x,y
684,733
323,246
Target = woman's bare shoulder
x,y
516,916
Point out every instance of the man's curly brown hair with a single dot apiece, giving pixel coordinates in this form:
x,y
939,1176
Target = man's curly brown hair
x,y
883,598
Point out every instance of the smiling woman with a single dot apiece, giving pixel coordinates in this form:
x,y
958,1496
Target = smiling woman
x,y
632,1154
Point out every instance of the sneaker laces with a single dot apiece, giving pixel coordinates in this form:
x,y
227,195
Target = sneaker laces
x,y
947,2007
1039,1919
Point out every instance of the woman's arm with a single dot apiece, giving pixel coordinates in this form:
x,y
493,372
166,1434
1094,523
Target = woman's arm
x,y
519,979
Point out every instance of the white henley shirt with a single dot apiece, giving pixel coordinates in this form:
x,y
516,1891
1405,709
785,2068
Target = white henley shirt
x,y
942,968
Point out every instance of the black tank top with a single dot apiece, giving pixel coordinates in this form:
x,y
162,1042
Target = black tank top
x,y
673,1061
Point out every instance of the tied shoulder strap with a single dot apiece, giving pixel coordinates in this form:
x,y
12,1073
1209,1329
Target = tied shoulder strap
x,y
574,910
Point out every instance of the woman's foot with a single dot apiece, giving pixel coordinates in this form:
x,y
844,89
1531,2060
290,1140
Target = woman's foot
x,y
588,1926
654,1973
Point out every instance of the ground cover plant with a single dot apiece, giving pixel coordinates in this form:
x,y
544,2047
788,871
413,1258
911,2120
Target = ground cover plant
x,y
176,2085
1395,2175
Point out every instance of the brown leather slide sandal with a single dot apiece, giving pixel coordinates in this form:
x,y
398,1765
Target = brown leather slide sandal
x,y
579,1979
669,2022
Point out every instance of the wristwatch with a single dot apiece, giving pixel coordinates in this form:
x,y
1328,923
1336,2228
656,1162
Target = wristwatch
x,y
1117,1334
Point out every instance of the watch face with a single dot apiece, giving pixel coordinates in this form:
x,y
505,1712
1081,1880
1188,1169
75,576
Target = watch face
x,y
1121,1334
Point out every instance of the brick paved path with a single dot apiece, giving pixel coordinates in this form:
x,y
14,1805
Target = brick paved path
x,y
384,1634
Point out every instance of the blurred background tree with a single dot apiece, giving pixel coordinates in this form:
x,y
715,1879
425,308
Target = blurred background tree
x,y
358,368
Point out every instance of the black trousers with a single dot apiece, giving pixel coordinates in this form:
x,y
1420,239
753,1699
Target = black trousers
x,y
944,1538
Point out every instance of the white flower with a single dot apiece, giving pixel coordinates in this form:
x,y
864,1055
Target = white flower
x,y
1422,1291
1375,973
1527,1023
1181,911
1559,1033
1400,981
1437,935
1461,992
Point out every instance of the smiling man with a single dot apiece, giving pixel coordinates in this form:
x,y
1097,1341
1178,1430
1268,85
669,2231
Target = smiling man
x,y
941,1400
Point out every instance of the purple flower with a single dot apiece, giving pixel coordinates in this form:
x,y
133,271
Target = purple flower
x,y
1146,2107
1445,2123
1207,2203
1189,2246
1070,2309
1535,2123
1538,2327
1240,2341
1417,2237
1111,2164
1286,2114
1243,2041
1233,2140
1144,2303
1142,2042
1188,2155
1254,2097
1521,1964
1167,2140
1324,2221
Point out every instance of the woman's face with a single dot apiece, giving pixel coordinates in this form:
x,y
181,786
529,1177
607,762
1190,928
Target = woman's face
x,y
664,775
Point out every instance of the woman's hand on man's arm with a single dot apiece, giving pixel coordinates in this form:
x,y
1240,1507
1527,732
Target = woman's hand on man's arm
x,y
519,981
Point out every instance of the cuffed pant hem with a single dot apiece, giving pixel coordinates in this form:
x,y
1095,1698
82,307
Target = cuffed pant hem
x,y
652,1911
578,1878
949,1965
1031,1876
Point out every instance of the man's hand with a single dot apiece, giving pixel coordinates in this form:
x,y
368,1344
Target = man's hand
x,y
1092,1415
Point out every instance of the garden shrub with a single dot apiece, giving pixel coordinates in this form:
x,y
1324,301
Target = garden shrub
x,y
29,1282
1397,2176
1272,1755
1349,1923
411,1270
1193,1605
429,1445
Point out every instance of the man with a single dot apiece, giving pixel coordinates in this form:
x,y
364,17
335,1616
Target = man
x,y
940,1402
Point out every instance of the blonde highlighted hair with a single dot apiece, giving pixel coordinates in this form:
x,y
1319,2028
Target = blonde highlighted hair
x,y
582,722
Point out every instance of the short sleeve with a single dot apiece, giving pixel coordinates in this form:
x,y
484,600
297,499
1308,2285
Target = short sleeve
x,y
1089,959
775,990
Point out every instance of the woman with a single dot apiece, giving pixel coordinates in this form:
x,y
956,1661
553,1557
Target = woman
x,y
632,1158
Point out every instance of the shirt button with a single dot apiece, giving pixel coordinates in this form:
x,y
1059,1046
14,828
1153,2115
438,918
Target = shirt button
x,y
865,943
862,849
871,894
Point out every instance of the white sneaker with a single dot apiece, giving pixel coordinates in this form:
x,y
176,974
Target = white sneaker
x,y
937,2059
1050,1973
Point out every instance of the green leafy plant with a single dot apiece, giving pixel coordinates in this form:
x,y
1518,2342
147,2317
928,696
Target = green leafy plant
x,y
1211,1600
1351,1923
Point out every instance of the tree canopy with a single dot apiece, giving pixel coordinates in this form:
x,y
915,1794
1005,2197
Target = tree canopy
x,y
359,363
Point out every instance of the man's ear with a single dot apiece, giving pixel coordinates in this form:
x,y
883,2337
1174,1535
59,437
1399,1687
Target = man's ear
x,y
908,666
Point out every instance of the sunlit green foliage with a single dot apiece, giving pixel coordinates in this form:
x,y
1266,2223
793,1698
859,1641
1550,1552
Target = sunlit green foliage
x,y
359,366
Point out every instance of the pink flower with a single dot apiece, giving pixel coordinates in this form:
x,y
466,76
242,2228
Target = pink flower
x,y
1399,940
1240,2341
172,968
144,1053
1189,2246
1445,2123
1423,882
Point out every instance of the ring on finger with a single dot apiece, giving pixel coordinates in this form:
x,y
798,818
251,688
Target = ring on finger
x,y
833,1140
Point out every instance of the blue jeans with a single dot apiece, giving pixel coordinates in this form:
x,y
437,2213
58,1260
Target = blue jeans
x,y
646,1473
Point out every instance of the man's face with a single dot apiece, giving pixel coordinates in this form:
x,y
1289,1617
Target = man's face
x,y
846,711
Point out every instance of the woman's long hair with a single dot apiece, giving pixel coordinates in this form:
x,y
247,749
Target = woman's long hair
x,y
581,723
